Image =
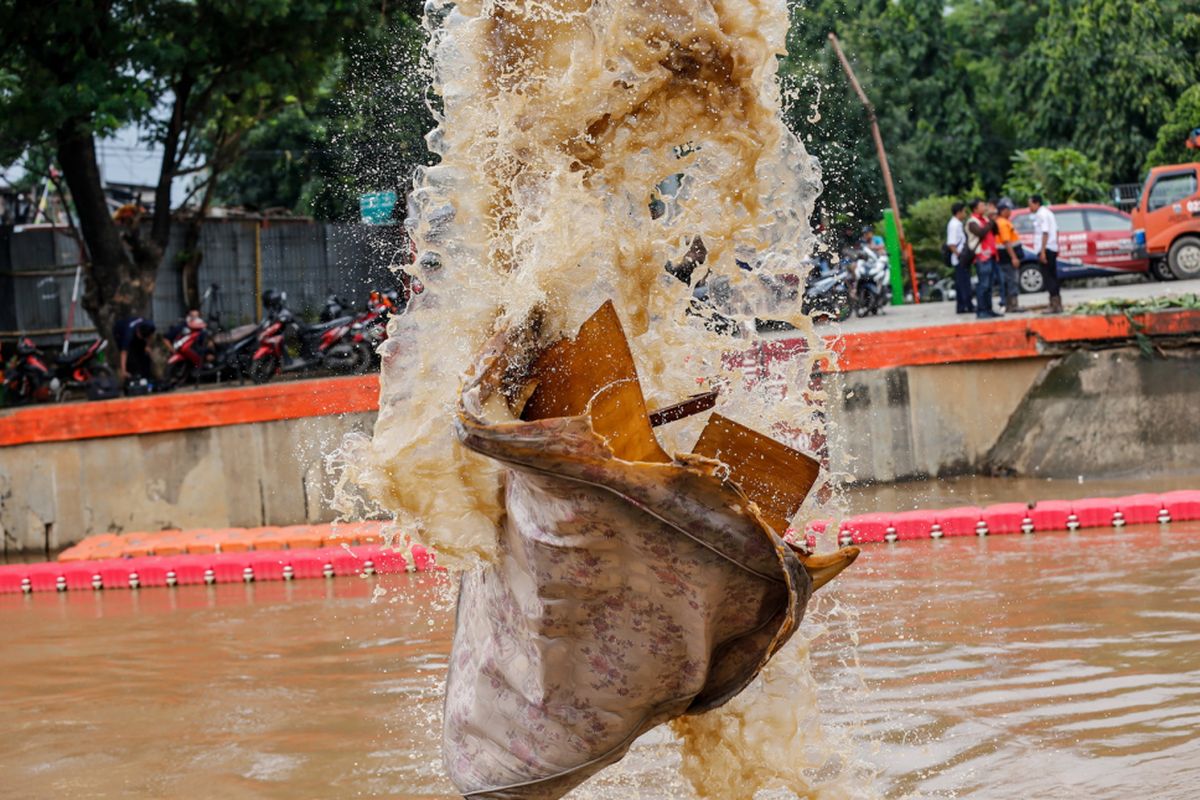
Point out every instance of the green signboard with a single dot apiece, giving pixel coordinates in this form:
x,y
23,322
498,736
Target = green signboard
x,y
891,239
375,208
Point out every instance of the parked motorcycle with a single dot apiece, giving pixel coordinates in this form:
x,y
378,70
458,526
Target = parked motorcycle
x,y
199,354
33,377
27,379
827,291
334,308
202,350
326,344
370,327
79,369
872,280
936,288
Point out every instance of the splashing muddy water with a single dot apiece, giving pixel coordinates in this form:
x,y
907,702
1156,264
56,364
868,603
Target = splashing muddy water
x,y
559,123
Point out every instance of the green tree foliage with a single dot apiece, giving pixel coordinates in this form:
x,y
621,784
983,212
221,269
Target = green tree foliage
x,y
364,130
1101,77
925,227
960,86
821,108
197,74
1170,147
1060,176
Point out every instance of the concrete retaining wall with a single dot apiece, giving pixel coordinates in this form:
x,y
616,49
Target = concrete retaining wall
x,y
909,422
1110,413
53,494
1097,414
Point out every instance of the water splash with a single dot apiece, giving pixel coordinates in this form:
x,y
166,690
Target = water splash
x,y
559,123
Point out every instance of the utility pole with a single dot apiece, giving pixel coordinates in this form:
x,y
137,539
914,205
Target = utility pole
x,y
905,249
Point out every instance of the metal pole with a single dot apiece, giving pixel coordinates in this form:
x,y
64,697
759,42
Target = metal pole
x,y
71,310
258,310
883,161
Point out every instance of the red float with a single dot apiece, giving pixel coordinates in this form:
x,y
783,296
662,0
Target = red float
x,y
422,559
913,524
80,574
864,528
1051,515
229,568
1097,512
189,571
151,571
344,561
267,566
388,561
1140,509
12,579
1182,505
115,574
306,564
960,521
1005,517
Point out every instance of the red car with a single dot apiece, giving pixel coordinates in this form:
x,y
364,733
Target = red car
x,y
1093,241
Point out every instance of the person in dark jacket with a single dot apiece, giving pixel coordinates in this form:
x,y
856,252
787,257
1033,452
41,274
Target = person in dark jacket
x,y
133,336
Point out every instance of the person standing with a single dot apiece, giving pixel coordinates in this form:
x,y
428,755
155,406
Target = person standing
x,y
981,240
1009,255
957,258
1045,242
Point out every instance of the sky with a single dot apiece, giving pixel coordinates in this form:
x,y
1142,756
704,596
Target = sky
x,y
125,159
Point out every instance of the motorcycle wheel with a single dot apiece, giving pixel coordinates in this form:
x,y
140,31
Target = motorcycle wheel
x,y
178,373
864,305
263,369
95,372
842,307
364,358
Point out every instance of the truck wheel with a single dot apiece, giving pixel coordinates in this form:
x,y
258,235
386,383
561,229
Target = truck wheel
x,y
1031,279
1184,257
1160,271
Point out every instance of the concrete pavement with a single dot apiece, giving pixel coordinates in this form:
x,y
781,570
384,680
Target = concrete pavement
x,y
933,314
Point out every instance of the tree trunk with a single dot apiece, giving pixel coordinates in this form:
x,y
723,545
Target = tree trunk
x,y
120,268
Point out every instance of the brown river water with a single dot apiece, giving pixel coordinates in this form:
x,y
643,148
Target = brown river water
x,y
1045,666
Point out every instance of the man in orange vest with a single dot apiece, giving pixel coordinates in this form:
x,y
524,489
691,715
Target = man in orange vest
x,y
1009,253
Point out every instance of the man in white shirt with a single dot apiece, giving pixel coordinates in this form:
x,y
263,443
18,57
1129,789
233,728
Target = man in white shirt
x,y
956,238
1045,244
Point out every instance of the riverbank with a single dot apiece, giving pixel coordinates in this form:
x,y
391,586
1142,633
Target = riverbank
x,y
1051,397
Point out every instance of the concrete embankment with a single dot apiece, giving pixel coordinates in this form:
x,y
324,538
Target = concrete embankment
x,y
52,494
240,457
1096,414
1061,398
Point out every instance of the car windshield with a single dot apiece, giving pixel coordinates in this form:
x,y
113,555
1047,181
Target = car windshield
x,y
1172,188
1023,223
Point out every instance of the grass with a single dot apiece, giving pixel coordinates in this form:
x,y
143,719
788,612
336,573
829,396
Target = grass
x,y
1179,302
1131,308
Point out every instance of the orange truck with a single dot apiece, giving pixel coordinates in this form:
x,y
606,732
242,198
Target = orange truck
x,y
1166,221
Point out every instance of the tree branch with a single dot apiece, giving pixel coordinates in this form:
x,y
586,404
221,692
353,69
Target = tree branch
x,y
161,228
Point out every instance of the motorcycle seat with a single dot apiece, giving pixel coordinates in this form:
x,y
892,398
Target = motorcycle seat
x,y
235,335
72,355
321,327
